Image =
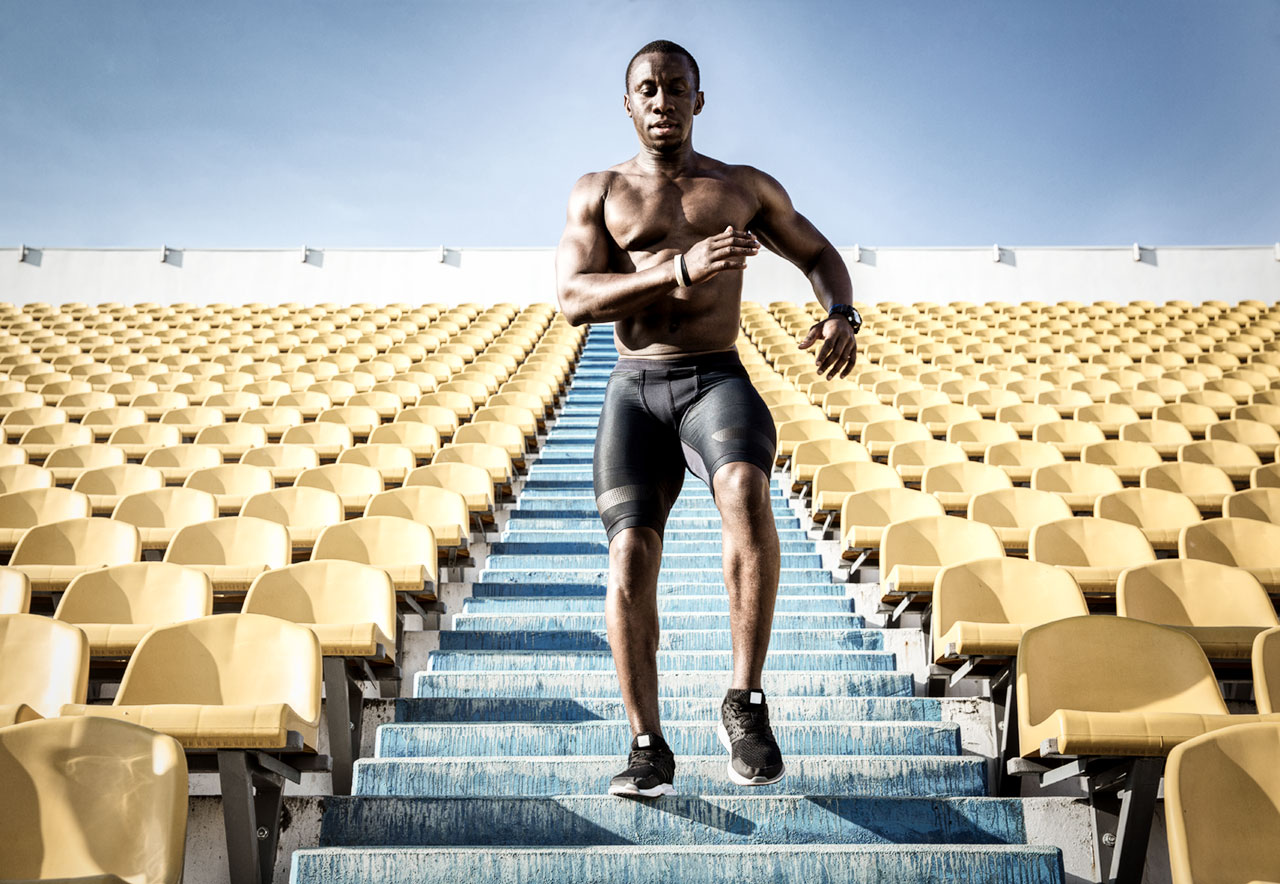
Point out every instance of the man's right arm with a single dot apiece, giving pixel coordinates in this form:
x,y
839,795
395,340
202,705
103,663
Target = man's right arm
x,y
588,292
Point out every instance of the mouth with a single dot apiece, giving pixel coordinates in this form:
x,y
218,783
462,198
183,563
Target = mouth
x,y
664,127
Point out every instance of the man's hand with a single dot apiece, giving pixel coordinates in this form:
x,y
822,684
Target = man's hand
x,y
839,349
723,251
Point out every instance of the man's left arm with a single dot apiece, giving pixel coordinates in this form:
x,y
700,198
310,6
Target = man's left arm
x,y
784,230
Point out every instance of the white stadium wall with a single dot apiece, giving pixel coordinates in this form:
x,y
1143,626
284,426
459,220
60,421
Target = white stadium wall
x,y
61,275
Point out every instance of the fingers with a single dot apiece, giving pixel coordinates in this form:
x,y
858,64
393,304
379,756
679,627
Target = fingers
x,y
811,336
837,354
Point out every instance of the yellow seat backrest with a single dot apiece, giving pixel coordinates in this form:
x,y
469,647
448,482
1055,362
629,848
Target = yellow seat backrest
x,y
1191,592
937,540
926,452
1022,453
232,479
326,591
35,506
44,663
466,479
855,475
429,504
375,540
1262,504
233,540
379,455
1004,590
91,797
1245,543
1266,671
342,478
491,457
1089,541
282,455
192,457
128,478
970,476
1147,508
139,592
171,507
1100,663
15,591
226,660
883,506
89,541
1222,800
1073,476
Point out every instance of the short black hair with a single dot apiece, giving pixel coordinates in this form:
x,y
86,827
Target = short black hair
x,y
668,48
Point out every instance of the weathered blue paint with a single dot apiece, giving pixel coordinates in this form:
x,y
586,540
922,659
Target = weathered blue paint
x,y
604,683
669,604
666,619
602,661
670,640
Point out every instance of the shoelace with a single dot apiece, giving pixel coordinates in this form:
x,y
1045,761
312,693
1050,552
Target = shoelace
x,y
743,720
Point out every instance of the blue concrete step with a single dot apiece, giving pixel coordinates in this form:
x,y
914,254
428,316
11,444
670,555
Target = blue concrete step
x,y
729,864
677,819
871,776
563,683
515,541
547,709
699,661
669,640
566,621
509,584
671,561
667,604
684,577
536,521
684,737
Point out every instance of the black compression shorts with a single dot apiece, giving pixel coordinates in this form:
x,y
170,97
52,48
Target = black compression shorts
x,y
660,417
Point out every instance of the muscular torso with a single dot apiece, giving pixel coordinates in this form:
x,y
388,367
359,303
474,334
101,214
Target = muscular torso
x,y
650,219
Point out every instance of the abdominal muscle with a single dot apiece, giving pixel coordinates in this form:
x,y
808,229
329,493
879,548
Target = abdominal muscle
x,y
688,321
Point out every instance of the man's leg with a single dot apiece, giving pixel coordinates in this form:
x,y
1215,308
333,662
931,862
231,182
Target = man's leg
x,y
751,562
631,617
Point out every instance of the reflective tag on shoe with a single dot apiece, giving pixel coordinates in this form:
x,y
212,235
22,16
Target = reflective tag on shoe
x,y
756,697
642,741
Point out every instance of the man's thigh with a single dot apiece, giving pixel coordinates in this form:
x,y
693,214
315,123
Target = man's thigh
x,y
727,423
638,467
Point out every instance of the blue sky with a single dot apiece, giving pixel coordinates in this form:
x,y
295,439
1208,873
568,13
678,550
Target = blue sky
x,y
234,124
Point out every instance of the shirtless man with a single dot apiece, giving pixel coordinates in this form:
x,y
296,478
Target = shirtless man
x,y
657,246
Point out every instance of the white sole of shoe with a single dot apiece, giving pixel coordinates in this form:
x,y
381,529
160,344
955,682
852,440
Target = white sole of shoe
x,y
630,790
736,777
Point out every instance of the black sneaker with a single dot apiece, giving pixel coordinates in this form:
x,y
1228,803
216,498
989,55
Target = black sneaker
x,y
651,767
754,757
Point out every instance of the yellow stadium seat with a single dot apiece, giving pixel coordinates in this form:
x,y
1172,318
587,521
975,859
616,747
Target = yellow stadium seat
x,y
864,515
1101,686
233,439
115,607
393,462
40,442
1266,670
105,486
855,418
507,437
20,510
405,549
138,440
1262,504
1160,515
92,800
1165,436
912,552
911,459
304,510
809,455
981,608
1095,551
1261,438
160,512
24,476
1195,417
44,663
1022,457
832,483
232,550
492,457
955,484
1221,607
285,461
1221,794
1068,436
1126,459
1242,543
14,455
1235,459
1267,476
51,555
243,684
1205,484
177,462
355,483
1026,416
442,509
472,482
15,591
975,436
231,484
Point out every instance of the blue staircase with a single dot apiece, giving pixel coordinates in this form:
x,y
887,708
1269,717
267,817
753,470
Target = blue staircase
x,y
496,769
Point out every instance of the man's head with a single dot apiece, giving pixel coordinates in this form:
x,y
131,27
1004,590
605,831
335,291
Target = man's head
x,y
662,94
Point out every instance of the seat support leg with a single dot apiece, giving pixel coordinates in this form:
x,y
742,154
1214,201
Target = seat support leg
x,y
344,700
1137,808
252,798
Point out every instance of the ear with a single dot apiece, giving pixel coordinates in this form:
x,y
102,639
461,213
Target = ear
x,y
697,103
626,103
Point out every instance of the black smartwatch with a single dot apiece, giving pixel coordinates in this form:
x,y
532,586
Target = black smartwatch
x,y
849,312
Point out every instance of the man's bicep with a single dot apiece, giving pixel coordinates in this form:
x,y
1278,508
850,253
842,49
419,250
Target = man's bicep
x,y
583,245
782,228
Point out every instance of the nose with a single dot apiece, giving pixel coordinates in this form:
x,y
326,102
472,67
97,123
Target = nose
x,y
660,101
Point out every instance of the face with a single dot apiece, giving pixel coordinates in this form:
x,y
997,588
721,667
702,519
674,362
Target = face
x,y
661,100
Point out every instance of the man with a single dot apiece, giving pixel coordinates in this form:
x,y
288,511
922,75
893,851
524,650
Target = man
x,y
657,246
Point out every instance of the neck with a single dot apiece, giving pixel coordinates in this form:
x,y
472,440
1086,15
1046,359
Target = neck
x,y
672,163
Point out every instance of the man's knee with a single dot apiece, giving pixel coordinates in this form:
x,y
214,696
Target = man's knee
x,y
635,549
742,486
